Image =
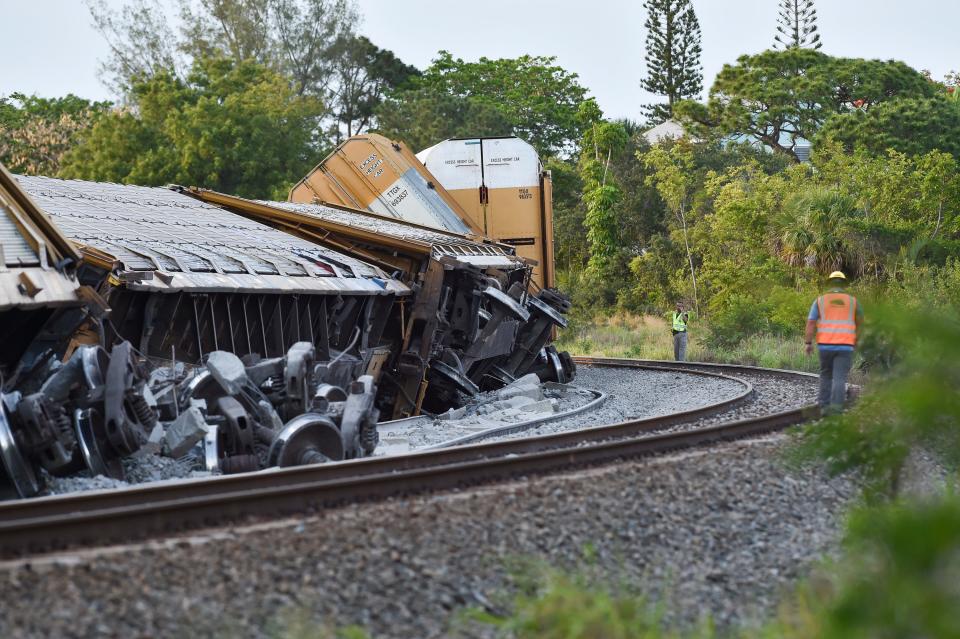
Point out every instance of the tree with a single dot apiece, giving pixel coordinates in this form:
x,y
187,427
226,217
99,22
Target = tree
x,y
797,25
673,55
810,230
422,117
601,192
909,125
35,132
672,175
311,42
363,74
297,37
782,98
305,34
142,42
537,97
232,126
235,29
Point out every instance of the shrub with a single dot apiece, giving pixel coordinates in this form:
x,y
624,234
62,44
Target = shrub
x,y
741,317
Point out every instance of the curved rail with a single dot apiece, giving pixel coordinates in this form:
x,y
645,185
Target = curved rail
x,y
519,427
99,517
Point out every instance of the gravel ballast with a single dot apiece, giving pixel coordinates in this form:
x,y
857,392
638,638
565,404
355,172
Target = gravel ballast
x,y
631,394
717,531
675,392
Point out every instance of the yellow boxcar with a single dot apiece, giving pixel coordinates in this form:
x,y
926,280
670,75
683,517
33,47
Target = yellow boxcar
x,y
492,188
373,173
502,186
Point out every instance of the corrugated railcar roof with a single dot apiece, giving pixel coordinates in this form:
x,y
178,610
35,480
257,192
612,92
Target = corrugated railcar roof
x,y
196,245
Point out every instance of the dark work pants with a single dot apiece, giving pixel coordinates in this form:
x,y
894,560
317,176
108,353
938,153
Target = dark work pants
x,y
834,368
680,346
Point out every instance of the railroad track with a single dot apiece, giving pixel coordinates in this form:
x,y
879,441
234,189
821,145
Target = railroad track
x,y
102,517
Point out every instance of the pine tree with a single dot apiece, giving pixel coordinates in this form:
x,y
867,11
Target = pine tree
x,y
673,55
797,25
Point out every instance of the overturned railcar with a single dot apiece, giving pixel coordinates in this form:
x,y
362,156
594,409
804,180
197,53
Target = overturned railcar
x,y
487,188
379,175
159,321
471,322
183,278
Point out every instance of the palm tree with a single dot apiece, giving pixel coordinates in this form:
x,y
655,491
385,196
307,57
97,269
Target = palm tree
x,y
810,230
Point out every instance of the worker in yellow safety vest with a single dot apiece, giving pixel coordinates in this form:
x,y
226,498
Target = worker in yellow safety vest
x,y
835,317
680,318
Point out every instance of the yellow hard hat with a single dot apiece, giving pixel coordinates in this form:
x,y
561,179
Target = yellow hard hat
x,y
837,275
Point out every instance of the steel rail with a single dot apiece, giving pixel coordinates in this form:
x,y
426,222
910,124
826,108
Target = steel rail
x,y
165,490
96,518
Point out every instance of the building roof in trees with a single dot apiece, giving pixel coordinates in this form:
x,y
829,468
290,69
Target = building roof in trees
x,y
670,129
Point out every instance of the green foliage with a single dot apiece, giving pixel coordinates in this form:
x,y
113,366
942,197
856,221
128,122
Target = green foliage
x,y
900,575
601,192
797,25
311,43
563,606
570,242
655,271
672,55
234,127
909,125
903,198
783,97
737,319
297,38
810,229
672,174
422,117
364,74
539,99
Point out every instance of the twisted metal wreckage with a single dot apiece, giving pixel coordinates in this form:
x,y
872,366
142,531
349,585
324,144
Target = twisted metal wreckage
x,y
241,333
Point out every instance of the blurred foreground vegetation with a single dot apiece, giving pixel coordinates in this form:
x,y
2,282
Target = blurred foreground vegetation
x,y
898,574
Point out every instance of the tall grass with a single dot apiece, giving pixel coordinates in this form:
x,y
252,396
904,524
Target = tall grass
x,y
649,337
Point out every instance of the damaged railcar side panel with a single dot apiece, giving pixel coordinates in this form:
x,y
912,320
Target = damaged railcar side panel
x,y
37,271
467,311
193,278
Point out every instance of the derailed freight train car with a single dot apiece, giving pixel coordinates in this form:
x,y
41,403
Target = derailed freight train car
x,y
488,188
501,185
188,313
372,173
196,332
470,324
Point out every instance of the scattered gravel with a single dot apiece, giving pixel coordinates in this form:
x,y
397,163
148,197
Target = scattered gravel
x,y
719,531
628,400
77,483
632,394
156,468
771,394
137,470
637,393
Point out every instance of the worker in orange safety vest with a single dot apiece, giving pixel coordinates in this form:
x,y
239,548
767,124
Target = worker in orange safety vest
x,y
835,317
